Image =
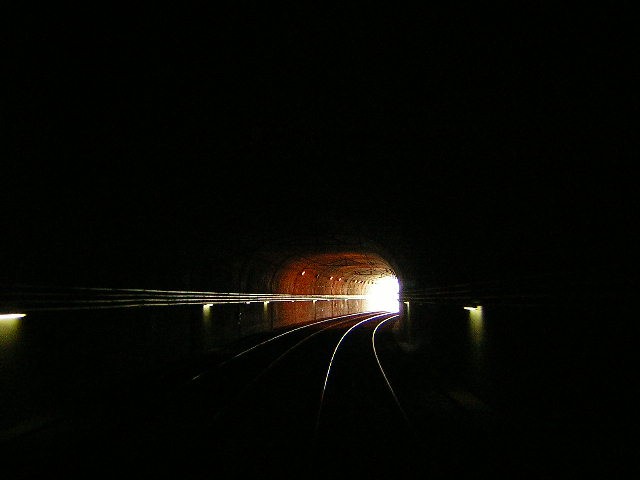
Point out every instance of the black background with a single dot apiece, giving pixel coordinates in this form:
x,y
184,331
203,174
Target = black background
x,y
475,142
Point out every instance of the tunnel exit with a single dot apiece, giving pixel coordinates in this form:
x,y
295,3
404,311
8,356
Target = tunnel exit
x,y
384,295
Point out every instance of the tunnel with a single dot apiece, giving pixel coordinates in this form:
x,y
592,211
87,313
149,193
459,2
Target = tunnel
x,y
332,265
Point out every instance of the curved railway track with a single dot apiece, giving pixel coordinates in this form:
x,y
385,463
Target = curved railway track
x,y
326,399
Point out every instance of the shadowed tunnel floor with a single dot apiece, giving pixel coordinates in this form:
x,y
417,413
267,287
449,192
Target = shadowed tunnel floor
x,y
530,401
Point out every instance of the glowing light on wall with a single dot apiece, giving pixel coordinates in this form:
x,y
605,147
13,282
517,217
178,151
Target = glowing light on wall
x,y
476,325
383,295
206,317
9,332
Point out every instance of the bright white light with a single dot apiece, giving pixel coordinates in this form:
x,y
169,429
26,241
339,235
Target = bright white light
x,y
383,295
11,316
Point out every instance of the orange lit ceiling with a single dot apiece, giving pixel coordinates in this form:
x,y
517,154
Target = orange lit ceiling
x,y
336,267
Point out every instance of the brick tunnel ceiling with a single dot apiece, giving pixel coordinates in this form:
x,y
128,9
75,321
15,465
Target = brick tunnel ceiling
x,y
336,267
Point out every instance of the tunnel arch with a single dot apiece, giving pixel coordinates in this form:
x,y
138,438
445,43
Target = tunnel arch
x,y
333,265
